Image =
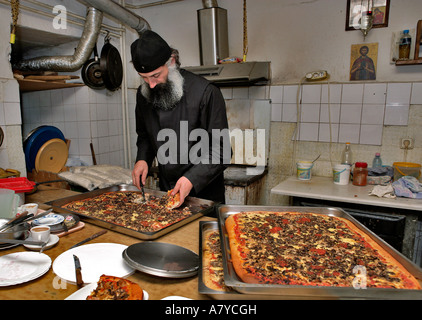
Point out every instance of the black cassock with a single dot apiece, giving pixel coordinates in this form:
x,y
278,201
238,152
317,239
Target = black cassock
x,y
183,138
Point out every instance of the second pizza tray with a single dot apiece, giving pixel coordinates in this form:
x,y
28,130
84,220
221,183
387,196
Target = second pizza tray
x,y
199,207
296,291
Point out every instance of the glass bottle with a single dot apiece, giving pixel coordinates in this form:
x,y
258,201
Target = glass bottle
x,y
360,174
404,46
377,162
346,155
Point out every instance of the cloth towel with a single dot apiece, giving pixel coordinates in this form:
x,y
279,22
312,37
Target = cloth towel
x,y
386,191
408,187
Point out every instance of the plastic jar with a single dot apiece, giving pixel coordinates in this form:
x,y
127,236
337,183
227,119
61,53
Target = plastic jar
x,y
360,174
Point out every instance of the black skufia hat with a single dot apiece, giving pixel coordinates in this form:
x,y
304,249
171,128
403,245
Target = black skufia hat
x,y
149,52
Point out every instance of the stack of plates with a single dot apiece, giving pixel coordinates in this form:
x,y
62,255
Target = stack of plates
x,y
162,259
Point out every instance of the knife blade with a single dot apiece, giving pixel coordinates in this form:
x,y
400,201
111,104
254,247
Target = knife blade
x,y
142,190
78,272
89,239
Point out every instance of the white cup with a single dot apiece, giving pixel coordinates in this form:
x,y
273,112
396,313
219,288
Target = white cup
x,y
31,208
40,233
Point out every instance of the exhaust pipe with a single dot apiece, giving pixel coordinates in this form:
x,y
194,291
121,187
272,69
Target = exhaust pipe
x,y
82,53
88,39
122,14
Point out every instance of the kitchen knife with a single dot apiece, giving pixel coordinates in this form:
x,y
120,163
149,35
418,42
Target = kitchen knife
x,y
89,239
142,189
78,272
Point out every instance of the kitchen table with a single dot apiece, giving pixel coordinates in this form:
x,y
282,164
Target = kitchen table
x,y
323,188
50,287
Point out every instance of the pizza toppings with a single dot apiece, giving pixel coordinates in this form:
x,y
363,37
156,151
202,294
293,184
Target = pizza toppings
x,y
125,208
115,288
172,201
292,248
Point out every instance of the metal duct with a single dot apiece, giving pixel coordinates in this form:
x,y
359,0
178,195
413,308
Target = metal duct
x,y
88,39
82,53
122,14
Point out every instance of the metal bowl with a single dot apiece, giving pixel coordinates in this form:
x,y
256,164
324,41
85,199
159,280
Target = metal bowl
x,y
19,232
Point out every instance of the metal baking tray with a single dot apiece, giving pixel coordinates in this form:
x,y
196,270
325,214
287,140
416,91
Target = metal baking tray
x,y
215,294
199,207
297,291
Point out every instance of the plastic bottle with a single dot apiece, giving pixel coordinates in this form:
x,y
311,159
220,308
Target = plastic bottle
x,y
404,46
346,156
377,162
360,174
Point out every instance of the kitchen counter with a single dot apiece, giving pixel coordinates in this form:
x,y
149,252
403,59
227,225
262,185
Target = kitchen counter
x,y
323,188
49,286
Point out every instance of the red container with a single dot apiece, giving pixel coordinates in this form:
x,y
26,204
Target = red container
x,y
19,185
360,174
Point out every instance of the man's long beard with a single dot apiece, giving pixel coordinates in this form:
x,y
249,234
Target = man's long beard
x,y
165,96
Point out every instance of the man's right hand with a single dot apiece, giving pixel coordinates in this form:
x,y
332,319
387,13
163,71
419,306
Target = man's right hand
x,y
139,173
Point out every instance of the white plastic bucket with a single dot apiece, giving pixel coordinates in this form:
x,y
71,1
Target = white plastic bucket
x,y
341,174
304,170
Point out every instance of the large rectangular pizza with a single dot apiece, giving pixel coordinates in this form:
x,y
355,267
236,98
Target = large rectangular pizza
x,y
311,249
130,210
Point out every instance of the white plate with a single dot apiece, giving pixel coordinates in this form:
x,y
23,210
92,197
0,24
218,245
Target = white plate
x,y
175,298
49,220
84,292
20,267
96,259
51,242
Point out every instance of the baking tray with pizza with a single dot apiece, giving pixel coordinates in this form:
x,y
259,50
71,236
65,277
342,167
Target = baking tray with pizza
x,y
211,273
310,252
122,208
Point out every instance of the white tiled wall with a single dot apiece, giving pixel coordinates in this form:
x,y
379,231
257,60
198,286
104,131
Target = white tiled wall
x,y
357,113
83,115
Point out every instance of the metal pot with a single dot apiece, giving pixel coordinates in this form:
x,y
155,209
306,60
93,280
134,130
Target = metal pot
x,y
18,232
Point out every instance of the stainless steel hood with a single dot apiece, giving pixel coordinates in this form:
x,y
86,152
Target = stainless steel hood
x,y
235,74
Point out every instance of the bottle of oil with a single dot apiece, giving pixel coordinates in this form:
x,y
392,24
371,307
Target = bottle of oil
x,y
404,46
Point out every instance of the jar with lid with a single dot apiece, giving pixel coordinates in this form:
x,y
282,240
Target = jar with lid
x,y
360,174
404,46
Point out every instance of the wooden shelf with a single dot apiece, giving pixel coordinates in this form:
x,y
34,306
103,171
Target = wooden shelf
x,y
27,85
408,62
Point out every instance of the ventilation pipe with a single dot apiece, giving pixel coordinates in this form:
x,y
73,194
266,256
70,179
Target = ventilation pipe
x,y
88,39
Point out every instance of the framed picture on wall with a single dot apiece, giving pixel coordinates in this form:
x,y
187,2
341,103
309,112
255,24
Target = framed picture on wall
x,y
363,61
380,11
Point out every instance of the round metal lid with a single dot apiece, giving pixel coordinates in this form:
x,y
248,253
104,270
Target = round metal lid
x,y
162,259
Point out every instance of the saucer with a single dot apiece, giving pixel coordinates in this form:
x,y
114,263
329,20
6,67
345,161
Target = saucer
x,y
49,220
51,242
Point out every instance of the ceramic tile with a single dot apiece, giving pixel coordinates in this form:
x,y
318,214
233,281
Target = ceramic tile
x,y
45,98
334,112
310,112
84,129
276,94
82,112
289,112
10,91
308,131
397,115
352,93
416,97
227,94
398,93
350,113
373,114
374,93
334,92
289,94
12,113
311,93
349,133
371,134
324,132
71,130
240,93
258,92
276,111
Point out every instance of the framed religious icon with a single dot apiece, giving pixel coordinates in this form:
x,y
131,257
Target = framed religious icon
x,y
363,61
380,11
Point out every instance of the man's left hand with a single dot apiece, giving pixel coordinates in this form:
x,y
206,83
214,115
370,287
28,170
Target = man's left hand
x,y
183,186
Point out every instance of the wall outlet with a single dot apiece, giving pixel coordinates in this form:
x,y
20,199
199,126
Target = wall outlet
x,y
407,143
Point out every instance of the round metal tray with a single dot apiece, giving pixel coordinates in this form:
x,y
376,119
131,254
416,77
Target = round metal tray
x,y
162,259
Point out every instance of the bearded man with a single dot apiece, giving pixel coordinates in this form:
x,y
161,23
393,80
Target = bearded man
x,y
174,100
